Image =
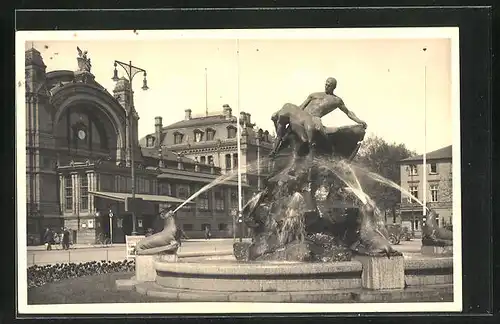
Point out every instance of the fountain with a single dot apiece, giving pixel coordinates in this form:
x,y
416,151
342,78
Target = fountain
x,y
316,236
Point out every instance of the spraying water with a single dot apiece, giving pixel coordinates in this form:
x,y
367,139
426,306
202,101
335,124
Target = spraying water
x,y
220,180
390,183
353,184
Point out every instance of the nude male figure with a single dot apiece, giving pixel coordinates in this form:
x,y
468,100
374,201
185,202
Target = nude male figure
x,y
317,105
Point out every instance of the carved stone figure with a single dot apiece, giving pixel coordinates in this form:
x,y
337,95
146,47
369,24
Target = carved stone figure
x,y
84,64
163,242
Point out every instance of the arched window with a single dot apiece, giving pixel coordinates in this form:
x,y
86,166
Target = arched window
x,y
198,135
178,138
235,160
210,134
219,199
231,132
228,162
266,136
150,140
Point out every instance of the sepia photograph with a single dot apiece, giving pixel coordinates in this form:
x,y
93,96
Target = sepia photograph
x,y
238,171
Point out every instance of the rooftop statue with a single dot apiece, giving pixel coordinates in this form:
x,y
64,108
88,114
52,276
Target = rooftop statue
x,y
84,64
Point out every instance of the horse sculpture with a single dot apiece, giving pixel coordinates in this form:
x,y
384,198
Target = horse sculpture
x,y
297,215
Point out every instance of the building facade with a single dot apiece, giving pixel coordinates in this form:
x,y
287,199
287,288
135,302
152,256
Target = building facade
x,y
211,140
438,187
78,162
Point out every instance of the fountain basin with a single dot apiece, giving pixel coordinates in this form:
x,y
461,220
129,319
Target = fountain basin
x,y
259,276
426,279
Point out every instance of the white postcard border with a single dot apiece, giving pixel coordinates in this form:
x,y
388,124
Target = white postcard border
x,y
232,308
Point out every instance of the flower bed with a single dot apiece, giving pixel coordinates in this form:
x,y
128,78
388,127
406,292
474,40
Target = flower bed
x,y
40,275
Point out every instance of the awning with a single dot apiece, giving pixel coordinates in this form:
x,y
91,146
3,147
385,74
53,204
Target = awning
x,y
120,196
198,179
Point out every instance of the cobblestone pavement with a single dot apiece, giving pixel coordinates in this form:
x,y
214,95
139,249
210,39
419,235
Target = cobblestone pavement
x,y
84,253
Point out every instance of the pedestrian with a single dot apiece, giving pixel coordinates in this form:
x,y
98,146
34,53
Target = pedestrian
x,y
179,235
65,239
48,239
207,233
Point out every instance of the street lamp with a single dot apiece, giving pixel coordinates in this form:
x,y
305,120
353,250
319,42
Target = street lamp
x,y
111,226
234,213
131,71
411,170
240,225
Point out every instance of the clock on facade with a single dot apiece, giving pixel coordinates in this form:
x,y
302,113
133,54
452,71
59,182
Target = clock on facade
x,y
81,134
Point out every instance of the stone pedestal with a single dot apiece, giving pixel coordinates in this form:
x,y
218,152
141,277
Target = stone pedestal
x,y
382,273
144,268
241,251
144,265
166,257
436,250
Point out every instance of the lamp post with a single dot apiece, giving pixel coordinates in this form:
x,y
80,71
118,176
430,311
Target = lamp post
x,y
234,212
238,142
110,226
131,71
411,202
258,162
424,211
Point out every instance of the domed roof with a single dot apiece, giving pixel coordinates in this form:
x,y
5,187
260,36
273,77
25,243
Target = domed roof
x,y
122,84
33,57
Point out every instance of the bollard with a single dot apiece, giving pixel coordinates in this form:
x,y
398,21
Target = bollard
x,y
33,258
69,256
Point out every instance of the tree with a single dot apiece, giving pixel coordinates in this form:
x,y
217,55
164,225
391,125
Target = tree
x,y
378,156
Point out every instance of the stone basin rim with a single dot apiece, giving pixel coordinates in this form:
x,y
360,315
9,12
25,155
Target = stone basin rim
x,y
256,268
287,268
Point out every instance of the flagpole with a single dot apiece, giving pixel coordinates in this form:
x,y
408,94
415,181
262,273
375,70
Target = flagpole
x,y
425,138
238,141
206,92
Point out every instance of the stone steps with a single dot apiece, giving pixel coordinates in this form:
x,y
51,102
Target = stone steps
x,y
433,293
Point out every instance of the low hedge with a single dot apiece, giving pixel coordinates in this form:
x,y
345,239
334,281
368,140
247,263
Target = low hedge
x,y
40,275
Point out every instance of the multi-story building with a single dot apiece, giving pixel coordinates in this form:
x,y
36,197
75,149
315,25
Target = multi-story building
x,y
78,162
438,187
211,140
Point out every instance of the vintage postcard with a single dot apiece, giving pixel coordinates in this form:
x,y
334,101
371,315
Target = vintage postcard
x,y
263,171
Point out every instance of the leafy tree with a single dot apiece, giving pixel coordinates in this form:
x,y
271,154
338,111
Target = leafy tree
x,y
378,156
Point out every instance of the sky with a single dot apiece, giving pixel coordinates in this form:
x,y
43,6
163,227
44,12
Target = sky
x,y
386,82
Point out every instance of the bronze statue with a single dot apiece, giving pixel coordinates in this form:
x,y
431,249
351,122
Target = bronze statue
x,y
305,212
162,242
306,118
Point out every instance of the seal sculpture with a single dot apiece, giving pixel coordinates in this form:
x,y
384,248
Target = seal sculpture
x,y
432,234
164,242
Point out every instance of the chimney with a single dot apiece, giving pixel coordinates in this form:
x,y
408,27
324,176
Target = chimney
x,y
243,118
158,127
187,114
249,121
227,111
